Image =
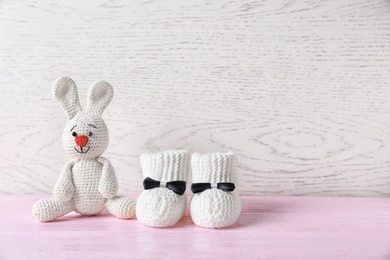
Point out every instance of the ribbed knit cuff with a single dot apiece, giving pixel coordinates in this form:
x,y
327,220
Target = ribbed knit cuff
x,y
213,167
165,166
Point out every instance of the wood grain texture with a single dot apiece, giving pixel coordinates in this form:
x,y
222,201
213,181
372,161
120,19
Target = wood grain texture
x,y
268,228
298,89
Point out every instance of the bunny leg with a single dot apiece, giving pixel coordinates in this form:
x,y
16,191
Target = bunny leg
x,y
121,207
46,210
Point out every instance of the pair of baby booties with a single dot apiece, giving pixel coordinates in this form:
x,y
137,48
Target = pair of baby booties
x,y
214,204
88,183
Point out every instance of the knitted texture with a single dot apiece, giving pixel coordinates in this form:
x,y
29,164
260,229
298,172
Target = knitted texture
x,y
213,167
95,130
214,208
165,166
161,207
86,183
121,207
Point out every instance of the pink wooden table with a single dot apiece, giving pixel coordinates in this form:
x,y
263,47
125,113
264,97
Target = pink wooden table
x,y
269,228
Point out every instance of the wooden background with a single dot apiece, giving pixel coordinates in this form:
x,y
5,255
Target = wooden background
x,y
298,89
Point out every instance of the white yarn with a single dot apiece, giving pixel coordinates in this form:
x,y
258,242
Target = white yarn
x,y
165,166
88,182
214,208
121,207
161,207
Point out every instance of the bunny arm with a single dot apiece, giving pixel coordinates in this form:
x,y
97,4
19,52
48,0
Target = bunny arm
x,y
108,185
63,188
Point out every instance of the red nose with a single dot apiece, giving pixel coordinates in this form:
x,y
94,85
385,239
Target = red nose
x,y
81,140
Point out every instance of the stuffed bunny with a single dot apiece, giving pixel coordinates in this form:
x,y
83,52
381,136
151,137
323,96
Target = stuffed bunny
x,y
87,183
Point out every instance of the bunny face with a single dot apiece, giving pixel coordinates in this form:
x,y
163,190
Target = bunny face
x,y
85,135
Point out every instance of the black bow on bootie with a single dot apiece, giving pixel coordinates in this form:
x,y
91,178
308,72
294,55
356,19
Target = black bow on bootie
x,y
178,187
200,187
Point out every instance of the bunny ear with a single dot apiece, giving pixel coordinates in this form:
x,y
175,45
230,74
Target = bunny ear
x,y
66,95
99,96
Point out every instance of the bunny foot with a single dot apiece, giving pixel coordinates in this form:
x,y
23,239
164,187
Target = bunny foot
x,y
121,207
46,210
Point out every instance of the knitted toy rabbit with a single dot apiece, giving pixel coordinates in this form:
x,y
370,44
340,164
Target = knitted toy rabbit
x,y
87,183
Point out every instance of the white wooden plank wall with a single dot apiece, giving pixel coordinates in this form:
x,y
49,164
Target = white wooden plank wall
x,y
300,90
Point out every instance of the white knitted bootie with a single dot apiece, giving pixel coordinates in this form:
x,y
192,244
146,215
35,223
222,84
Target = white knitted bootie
x,y
215,204
163,202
